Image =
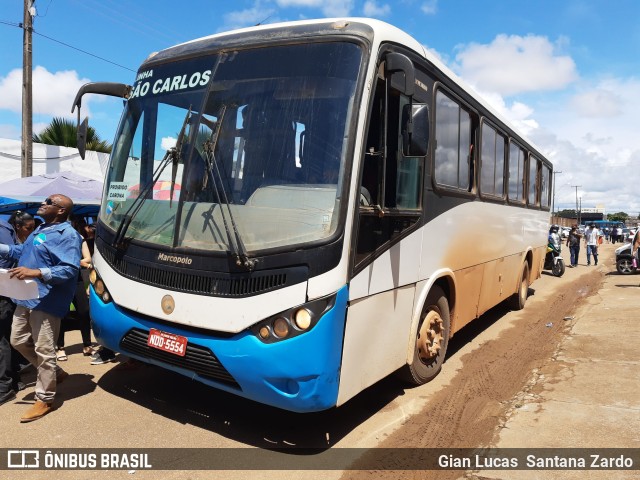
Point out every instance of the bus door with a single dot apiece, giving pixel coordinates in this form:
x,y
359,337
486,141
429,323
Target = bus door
x,y
388,243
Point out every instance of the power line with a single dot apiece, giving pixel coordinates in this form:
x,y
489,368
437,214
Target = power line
x,y
19,25
84,51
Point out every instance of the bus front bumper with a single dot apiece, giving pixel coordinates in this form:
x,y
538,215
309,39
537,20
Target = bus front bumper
x,y
300,374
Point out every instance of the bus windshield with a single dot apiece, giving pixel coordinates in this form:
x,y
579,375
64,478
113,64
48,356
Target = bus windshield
x,y
250,141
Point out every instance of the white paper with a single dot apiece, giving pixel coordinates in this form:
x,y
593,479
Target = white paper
x,y
18,289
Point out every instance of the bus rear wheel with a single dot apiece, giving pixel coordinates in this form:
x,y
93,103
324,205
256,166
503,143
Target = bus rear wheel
x,y
519,298
432,339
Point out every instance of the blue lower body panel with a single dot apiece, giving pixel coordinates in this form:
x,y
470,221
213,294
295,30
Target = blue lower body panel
x,y
301,374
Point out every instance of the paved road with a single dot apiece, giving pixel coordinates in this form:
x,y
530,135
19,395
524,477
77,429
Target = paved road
x,y
107,406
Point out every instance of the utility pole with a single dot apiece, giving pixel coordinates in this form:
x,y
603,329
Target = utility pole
x,y
27,102
553,199
580,212
577,214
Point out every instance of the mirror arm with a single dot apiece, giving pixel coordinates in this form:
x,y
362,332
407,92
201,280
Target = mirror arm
x,y
103,88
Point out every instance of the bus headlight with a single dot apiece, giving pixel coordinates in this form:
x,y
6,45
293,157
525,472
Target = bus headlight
x,y
293,322
99,286
302,318
93,276
280,327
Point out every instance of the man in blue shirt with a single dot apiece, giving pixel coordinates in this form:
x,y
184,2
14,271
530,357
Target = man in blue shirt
x,y
51,257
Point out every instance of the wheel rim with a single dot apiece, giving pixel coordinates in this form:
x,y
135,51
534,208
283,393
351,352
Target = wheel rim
x,y
626,266
430,337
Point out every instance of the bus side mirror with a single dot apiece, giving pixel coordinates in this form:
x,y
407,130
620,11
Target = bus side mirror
x,y
82,137
415,130
102,88
397,62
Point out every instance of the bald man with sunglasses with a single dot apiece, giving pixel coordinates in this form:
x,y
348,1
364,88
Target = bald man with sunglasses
x,y
51,257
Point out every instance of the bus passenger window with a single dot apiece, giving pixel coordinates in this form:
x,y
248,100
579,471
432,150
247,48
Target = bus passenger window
x,y
492,162
454,148
533,180
516,173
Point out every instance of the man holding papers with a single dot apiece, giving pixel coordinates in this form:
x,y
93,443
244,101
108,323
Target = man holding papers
x,y
51,257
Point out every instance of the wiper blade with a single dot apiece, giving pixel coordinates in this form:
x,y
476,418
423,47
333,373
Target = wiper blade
x,y
172,156
176,153
237,248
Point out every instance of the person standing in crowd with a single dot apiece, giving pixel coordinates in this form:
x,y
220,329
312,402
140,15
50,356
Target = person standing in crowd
x,y
9,374
80,299
51,257
619,237
591,236
573,242
23,224
635,247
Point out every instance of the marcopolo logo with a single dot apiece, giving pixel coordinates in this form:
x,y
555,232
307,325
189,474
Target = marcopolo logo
x,y
175,259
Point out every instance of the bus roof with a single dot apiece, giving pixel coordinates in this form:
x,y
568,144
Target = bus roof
x,y
375,31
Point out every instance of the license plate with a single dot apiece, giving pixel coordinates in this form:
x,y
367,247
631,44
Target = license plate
x,y
167,342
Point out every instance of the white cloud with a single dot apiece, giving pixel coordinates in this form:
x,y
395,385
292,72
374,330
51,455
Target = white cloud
x,y
38,127
168,142
598,103
594,148
53,93
299,3
514,64
587,127
330,8
247,17
430,7
372,9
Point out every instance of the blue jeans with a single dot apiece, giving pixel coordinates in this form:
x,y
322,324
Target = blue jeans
x,y
574,250
592,249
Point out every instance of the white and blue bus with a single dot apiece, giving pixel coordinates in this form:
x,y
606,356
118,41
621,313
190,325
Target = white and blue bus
x,y
295,211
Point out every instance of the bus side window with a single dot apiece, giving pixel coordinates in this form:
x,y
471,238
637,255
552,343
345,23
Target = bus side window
x,y
391,184
455,159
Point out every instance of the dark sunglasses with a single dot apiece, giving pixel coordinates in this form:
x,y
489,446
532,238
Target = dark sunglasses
x,y
48,201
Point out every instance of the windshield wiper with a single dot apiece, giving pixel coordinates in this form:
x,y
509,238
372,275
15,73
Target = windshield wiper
x,y
237,248
173,156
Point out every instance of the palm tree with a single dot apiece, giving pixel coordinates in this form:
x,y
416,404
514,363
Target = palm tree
x,y
62,132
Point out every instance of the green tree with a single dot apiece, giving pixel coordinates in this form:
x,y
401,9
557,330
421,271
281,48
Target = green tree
x,y
62,132
618,217
567,214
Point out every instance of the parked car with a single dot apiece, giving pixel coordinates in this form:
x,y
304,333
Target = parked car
x,y
624,260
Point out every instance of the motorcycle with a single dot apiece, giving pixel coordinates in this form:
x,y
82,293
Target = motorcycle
x,y
553,261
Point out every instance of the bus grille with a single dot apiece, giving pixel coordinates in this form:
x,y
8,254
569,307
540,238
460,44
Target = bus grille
x,y
224,285
198,359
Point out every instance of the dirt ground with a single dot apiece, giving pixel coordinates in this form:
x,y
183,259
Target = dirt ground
x,y
494,366
471,409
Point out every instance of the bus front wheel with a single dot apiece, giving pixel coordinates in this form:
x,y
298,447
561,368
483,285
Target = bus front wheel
x,y
432,339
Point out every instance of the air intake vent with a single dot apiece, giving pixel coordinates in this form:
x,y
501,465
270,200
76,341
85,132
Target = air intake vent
x,y
198,359
200,282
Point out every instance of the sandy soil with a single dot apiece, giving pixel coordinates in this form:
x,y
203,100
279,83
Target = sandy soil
x,y
469,411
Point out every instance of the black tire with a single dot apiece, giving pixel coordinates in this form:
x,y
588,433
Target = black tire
x,y
558,268
624,265
518,299
432,339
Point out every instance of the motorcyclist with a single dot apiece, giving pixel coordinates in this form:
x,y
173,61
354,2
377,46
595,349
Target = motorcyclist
x,y
554,237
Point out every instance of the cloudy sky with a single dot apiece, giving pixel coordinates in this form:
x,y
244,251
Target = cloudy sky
x,y
566,72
